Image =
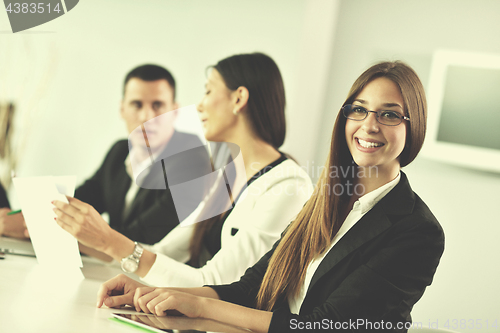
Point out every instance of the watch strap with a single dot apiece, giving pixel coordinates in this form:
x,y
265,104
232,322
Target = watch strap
x,y
138,250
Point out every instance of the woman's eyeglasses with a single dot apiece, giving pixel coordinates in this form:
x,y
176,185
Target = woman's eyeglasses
x,y
385,117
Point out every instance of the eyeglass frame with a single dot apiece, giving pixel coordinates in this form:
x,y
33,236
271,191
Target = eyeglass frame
x,y
376,112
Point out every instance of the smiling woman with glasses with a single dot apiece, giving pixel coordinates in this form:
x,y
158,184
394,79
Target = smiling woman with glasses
x,y
349,261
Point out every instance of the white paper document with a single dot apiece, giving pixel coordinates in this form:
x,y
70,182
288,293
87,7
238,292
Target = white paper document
x,y
53,246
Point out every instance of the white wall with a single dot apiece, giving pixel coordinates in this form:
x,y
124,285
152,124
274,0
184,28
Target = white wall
x,y
466,285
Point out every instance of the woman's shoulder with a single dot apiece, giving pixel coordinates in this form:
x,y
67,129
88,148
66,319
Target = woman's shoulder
x,y
287,179
423,214
406,209
419,223
288,169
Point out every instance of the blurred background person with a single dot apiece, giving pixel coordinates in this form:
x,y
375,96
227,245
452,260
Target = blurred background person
x,y
143,214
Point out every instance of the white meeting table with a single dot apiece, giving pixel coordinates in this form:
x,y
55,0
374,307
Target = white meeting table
x,y
32,300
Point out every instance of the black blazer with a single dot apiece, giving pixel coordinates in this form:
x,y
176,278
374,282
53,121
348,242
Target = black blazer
x,y
4,202
376,272
152,213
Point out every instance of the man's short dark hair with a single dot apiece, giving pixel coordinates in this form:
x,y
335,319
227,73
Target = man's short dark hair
x,y
150,72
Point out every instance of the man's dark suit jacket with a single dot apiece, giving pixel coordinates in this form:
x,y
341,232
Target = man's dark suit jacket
x,y
4,202
152,213
376,272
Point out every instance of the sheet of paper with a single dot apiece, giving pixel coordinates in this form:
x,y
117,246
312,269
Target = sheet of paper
x,y
53,246
65,184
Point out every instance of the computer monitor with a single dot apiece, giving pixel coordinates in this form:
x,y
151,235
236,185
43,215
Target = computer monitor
x,y
464,109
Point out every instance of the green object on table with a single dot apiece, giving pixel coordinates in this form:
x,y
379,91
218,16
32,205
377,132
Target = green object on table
x,y
14,212
140,328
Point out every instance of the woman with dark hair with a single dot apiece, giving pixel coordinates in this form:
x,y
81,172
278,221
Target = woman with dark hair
x,y
244,106
364,247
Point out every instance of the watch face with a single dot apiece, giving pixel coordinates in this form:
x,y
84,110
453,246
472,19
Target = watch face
x,y
130,265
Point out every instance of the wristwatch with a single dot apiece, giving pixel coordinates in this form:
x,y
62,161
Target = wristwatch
x,y
131,263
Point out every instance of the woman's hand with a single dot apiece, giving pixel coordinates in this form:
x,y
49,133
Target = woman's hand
x,y
84,223
159,301
118,291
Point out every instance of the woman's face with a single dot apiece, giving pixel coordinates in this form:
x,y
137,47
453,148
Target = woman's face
x,y
216,109
371,143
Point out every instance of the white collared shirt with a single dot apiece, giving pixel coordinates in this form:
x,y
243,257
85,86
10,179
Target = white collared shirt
x,y
133,189
132,172
360,208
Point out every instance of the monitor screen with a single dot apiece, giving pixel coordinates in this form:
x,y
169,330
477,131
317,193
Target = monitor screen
x,y
463,109
470,112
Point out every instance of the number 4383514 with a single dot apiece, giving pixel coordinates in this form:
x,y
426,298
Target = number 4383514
x,y
31,8
470,324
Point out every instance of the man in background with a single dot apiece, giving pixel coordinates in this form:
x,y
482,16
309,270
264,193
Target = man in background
x,y
145,213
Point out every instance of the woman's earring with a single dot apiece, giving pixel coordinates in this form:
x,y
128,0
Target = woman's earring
x,y
235,112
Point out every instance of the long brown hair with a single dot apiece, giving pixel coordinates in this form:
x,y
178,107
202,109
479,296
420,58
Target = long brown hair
x,y
265,110
315,226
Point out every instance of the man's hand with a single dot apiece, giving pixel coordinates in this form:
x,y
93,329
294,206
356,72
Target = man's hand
x,y
12,225
118,291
